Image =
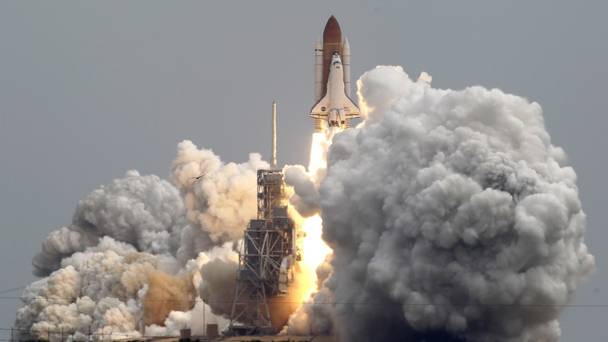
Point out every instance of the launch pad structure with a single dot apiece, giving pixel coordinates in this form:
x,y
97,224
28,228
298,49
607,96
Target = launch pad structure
x,y
267,254
266,260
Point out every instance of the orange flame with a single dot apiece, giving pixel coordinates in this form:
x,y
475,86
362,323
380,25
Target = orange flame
x,y
314,249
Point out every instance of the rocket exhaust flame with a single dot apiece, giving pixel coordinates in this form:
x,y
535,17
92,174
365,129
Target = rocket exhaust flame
x,y
318,154
314,248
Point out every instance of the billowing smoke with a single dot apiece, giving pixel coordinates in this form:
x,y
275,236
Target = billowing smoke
x,y
219,282
306,195
143,211
220,198
130,262
451,216
166,293
96,291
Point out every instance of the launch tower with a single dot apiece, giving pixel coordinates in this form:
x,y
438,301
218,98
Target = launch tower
x,y
267,256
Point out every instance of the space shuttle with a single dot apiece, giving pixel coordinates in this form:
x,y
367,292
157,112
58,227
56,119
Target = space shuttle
x,y
333,105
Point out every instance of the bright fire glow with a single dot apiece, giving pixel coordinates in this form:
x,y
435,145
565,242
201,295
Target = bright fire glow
x,y
314,249
318,154
314,252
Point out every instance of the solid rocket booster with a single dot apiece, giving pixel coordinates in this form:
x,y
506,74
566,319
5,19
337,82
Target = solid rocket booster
x,y
346,64
333,106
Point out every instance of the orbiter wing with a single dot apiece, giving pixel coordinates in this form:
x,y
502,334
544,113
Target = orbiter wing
x,y
321,109
344,105
350,108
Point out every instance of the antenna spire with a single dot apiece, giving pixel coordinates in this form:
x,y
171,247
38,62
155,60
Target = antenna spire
x,y
273,149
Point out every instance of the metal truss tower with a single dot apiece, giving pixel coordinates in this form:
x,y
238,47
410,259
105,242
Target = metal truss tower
x,y
266,259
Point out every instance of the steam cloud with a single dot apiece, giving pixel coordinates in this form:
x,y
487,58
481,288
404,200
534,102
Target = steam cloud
x,y
306,195
220,203
143,211
451,216
97,291
131,260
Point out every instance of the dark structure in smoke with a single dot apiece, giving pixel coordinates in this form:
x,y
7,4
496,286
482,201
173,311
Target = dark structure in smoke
x,y
451,216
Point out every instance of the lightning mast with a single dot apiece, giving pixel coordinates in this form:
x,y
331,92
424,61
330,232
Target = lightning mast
x,y
268,253
273,149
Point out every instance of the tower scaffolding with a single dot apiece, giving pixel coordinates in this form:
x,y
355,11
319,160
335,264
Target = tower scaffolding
x,y
266,259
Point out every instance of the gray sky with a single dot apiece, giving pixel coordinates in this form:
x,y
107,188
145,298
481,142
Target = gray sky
x,y
90,90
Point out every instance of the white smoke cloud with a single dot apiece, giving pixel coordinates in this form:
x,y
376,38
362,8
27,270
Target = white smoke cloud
x,y
144,211
129,236
101,291
451,215
97,291
220,198
306,195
